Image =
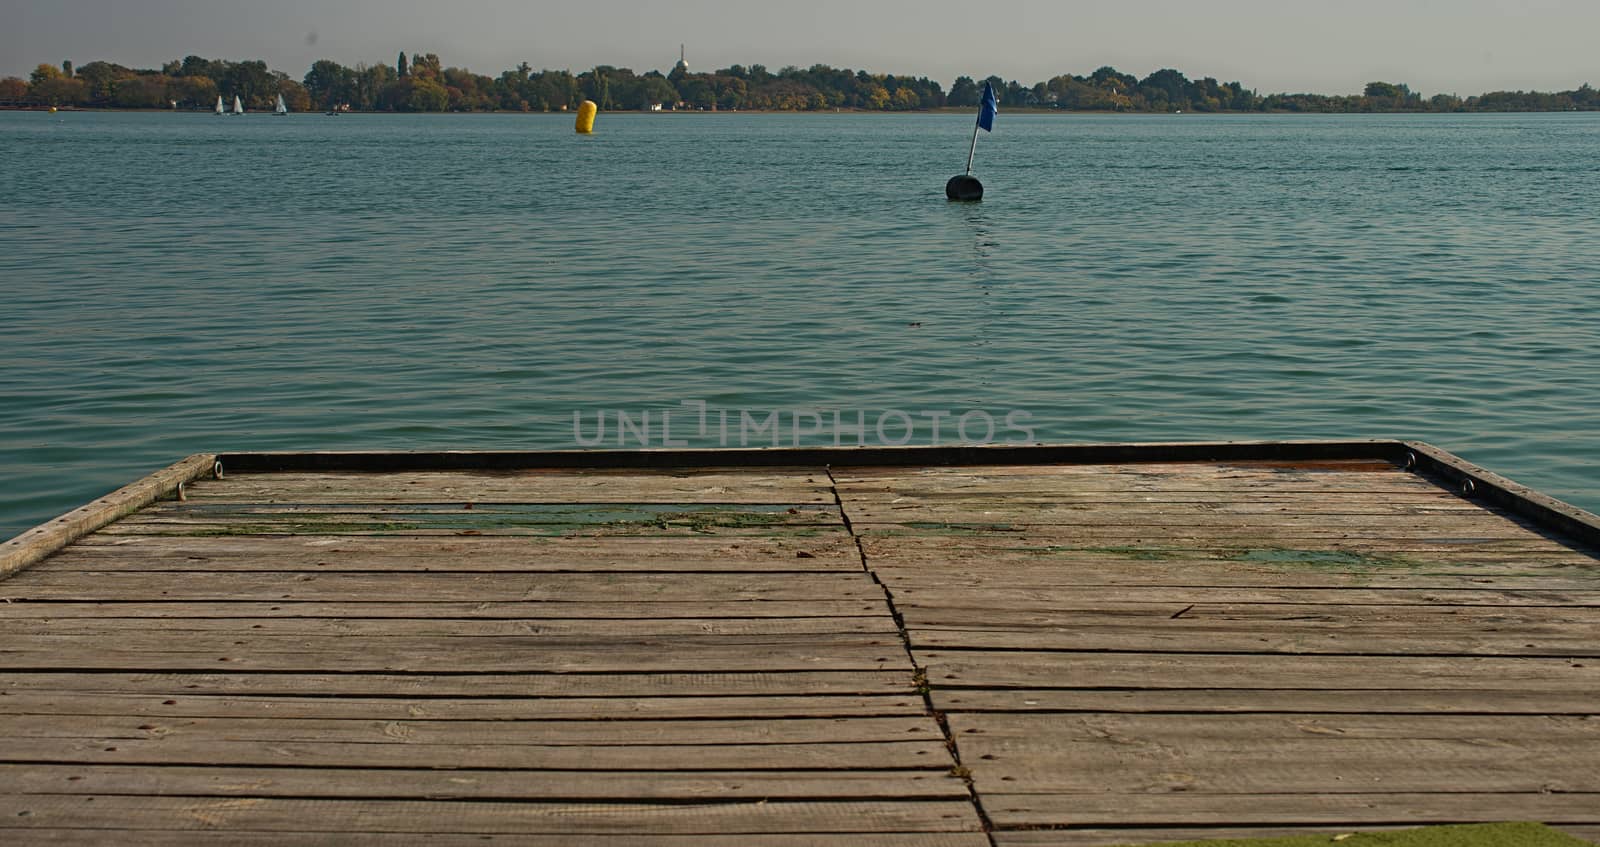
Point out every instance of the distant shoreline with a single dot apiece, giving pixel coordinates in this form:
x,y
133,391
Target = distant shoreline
x,y
944,110
422,82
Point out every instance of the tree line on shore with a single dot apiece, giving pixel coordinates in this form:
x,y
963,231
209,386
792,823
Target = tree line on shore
x,y
421,83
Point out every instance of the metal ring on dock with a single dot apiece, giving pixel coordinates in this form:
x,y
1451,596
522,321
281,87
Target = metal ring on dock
x,y
1411,461
1468,487
216,469
181,493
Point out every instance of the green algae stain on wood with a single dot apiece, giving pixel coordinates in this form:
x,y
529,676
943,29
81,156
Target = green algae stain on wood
x,y
539,520
1340,560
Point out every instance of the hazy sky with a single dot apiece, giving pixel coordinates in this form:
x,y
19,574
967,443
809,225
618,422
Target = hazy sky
x,y
1326,46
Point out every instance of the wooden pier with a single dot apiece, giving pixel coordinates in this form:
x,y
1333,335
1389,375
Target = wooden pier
x,y
1031,646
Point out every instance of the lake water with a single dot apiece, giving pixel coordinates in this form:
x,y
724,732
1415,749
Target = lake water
x,y
177,283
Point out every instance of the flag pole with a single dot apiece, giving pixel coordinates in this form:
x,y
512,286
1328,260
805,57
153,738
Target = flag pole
x,y
974,150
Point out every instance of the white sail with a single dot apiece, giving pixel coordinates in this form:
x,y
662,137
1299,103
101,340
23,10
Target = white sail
x,y
219,104
281,109
238,107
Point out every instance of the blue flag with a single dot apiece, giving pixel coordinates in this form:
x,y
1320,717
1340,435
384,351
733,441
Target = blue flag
x,y
988,109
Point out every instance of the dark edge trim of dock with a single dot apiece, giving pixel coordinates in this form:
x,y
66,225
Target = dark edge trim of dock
x,y
948,455
1450,471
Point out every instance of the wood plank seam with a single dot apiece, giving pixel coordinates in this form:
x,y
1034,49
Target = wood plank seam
x,y
920,673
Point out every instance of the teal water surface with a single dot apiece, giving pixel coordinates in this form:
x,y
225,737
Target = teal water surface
x,y
178,283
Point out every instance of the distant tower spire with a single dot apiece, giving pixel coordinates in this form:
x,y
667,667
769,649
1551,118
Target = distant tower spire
x,y
683,61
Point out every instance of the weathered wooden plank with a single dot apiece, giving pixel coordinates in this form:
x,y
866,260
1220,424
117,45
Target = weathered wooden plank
x,y
1425,537
431,733
1335,810
289,553
240,838
1122,837
1357,766
1508,618
643,588
1268,628
814,647
793,563
990,485
560,631
181,838
751,608
35,544
1405,766
1053,516
462,685
435,655
1064,566
1292,639
1134,732
562,512
1150,490
133,527
577,548
1149,836
545,786
1430,538
1122,488
422,816
1240,755
1137,577
1047,519
1264,615
1229,575
934,547
1381,511
1200,701
1134,476
1148,467
536,518
858,755
1333,571
730,485
1111,498
981,669
186,704
1044,599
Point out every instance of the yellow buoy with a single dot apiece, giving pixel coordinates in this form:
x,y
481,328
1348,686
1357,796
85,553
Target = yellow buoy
x,y
586,114
52,110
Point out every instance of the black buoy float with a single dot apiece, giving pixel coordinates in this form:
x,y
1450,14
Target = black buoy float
x,y
966,187
963,187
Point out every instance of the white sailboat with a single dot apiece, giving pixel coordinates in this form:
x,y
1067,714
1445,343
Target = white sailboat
x,y
238,107
220,110
281,108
